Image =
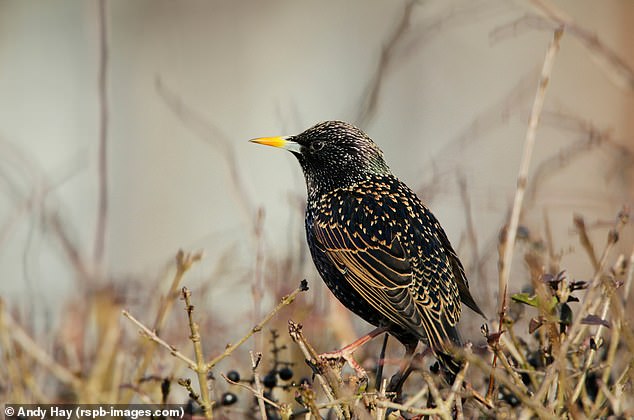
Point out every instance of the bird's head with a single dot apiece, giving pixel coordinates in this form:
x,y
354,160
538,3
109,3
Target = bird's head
x,y
332,154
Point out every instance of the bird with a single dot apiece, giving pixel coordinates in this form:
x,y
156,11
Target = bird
x,y
378,248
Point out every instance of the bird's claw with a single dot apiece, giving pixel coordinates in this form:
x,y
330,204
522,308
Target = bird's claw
x,y
342,356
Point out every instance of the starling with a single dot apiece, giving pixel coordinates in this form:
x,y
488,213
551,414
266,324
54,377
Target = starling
x,y
378,248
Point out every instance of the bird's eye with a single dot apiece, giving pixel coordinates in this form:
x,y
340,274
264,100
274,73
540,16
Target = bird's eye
x,y
316,146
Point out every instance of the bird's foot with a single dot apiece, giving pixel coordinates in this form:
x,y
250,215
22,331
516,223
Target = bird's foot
x,y
344,355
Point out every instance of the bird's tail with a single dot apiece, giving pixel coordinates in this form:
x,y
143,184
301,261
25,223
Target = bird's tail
x,y
442,339
450,365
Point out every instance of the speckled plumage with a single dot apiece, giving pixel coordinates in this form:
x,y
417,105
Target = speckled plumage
x,y
380,251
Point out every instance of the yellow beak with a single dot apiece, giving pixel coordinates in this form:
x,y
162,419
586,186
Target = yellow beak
x,y
281,142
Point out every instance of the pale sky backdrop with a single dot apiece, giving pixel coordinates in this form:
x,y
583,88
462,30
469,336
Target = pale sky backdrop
x,y
189,82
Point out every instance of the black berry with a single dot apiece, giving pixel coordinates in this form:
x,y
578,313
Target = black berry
x,y
233,375
228,398
285,373
270,379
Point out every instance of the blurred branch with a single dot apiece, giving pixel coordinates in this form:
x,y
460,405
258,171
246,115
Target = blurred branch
x,y
158,340
628,279
507,244
39,355
614,66
528,401
580,225
13,375
592,138
472,236
257,394
102,209
211,134
286,300
511,229
589,303
184,261
550,18
371,96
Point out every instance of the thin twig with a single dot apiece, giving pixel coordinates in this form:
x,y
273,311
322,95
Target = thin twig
x,y
508,243
609,362
444,409
529,143
527,400
184,261
472,236
30,347
628,279
286,300
411,410
258,395
580,225
158,340
259,392
577,329
327,379
13,374
380,412
615,67
457,384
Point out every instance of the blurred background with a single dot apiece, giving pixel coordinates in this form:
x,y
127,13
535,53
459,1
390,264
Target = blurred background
x,y
124,128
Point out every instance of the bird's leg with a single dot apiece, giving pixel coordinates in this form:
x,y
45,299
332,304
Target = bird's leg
x,y
380,364
346,352
398,379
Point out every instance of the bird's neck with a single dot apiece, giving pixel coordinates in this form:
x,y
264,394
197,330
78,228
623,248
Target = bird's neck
x,y
318,185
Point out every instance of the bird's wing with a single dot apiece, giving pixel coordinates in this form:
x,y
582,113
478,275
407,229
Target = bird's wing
x,y
408,281
459,274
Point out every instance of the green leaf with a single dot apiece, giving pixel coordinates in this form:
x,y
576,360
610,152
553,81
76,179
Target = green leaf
x,y
525,298
533,300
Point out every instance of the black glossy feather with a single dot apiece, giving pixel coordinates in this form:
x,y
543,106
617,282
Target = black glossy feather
x,y
384,243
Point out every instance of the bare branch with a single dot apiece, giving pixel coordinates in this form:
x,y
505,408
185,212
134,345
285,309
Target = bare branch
x,y
511,230
158,340
286,300
617,70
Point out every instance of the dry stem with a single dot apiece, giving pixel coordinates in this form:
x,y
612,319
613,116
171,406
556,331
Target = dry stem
x,y
529,143
201,368
258,391
184,261
508,242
